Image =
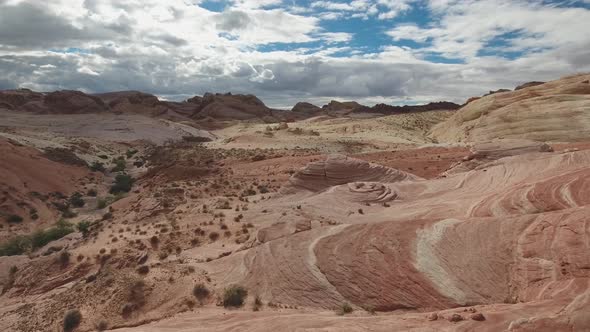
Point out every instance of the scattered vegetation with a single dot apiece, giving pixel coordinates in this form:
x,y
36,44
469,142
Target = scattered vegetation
x,y
130,153
135,298
123,184
23,243
234,296
76,200
92,193
97,166
84,227
119,165
72,319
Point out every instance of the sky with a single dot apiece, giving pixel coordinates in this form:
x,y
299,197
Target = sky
x,y
285,51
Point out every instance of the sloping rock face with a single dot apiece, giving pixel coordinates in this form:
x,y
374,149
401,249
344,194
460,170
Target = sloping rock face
x,y
29,182
528,85
554,111
228,106
486,152
339,169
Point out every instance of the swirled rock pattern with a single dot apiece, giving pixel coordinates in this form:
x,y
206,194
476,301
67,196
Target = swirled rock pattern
x,y
511,237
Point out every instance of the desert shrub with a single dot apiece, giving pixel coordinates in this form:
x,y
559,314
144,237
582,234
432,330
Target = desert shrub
x,y
21,244
64,258
119,165
92,193
102,203
123,184
10,280
234,296
102,325
213,236
137,293
43,237
68,214
103,156
263,189
72,319
257,303
201,292
369,308
249,192
130,153
345,308
84,227
76,200
144,269
15,246
97,166
14,218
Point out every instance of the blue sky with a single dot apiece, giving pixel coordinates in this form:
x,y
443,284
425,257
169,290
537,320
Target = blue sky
x,y
284,51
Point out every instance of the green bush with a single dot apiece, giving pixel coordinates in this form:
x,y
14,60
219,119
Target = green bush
x,y
234,296
72,319
14,218
130,153
119,165
15,246
97,167
201,292
76,200
42,237
123,184
345,309
21,244
84,227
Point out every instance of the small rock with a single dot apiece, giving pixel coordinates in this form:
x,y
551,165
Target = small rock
x,y
433,316
456,318
478,317
472,310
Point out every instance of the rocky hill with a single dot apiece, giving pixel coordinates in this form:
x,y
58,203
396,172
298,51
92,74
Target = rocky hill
x,y
554,111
